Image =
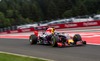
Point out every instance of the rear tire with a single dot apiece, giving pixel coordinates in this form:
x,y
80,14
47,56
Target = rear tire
x,y
33,39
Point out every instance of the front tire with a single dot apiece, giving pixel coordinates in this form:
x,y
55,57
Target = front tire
x,y
54,40
76,38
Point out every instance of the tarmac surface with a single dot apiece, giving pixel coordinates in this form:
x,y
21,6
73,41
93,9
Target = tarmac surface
x,y
79,53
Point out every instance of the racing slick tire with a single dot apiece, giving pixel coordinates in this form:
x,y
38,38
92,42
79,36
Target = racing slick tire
x,y
54,40
77,37
33,39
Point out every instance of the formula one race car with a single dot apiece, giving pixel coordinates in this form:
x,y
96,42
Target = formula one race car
x,y
57,40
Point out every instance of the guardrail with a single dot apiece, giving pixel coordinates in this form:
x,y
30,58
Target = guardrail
x,y
58,26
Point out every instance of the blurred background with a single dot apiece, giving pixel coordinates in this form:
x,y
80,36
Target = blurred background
x,y
20,14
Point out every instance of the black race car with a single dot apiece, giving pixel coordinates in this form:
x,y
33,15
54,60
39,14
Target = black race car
x,y
57,40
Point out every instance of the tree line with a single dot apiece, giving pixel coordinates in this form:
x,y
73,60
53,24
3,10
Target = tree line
x,y
16,12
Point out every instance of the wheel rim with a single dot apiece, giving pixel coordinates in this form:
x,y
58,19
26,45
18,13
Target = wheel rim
x,y
53,41
30,40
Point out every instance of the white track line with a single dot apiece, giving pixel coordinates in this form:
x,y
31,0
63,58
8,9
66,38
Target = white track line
x,y
93,43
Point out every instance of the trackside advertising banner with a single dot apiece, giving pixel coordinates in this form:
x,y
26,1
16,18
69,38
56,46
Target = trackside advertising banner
x,y
21,30
59,26
74,25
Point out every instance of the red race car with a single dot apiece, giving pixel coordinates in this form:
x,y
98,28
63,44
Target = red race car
x,y
57,40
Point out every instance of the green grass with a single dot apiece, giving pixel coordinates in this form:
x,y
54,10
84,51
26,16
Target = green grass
x,y
9,57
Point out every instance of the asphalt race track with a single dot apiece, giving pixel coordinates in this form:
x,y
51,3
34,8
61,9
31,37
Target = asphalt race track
x,y
79,53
